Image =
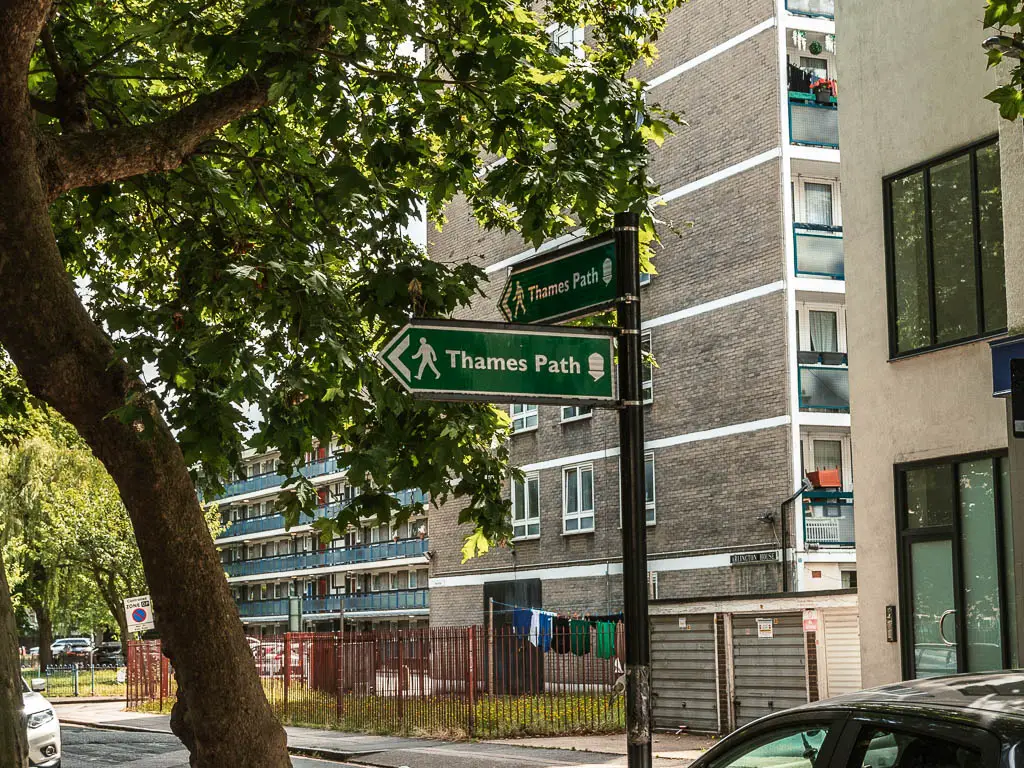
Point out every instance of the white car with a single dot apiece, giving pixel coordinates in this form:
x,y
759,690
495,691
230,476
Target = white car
x,y
72,646
42,725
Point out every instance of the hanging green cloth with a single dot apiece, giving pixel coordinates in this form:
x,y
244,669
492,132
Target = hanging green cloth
x,y
605,639
579,637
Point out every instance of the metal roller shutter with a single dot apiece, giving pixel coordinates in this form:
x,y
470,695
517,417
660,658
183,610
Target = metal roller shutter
x,y
841,638
683,673
770,672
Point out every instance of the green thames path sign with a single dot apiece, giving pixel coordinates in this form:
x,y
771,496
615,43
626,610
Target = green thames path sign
x,y
495,362
571,282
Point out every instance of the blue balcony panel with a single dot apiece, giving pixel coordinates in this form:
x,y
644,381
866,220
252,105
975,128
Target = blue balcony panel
x,y
367,553
824,388
818,251
814,125
396,600
828,519
825,9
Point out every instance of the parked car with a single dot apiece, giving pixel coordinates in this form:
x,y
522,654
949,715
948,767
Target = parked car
x,y
42,726
960,721
108,654
72,649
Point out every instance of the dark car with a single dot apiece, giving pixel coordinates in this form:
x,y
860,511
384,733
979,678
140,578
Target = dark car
x,y
961,721
109,654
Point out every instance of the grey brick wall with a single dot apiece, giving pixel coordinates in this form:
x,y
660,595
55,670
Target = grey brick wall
x,y
716,369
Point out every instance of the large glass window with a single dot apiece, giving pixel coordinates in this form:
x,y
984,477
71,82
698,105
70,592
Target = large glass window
x,y
524,417
818,203
649,487
945,249
526,507
824,328
956,538
647,385
578,499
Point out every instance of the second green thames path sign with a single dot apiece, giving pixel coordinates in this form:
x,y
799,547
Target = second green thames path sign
x,y
494,362
571,282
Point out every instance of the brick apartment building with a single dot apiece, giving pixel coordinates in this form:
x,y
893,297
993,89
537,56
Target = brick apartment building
x,y
746,320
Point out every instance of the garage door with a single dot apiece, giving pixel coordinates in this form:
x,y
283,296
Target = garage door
x,y
840,636
769,662
683,673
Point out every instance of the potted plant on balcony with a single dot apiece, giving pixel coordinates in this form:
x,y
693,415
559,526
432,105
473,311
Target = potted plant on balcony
x,y
823,90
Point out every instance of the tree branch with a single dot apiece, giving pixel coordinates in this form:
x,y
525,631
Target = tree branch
x,y
86,159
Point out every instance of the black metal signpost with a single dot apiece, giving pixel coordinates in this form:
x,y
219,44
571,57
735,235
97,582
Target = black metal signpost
x,y
453,360
634,519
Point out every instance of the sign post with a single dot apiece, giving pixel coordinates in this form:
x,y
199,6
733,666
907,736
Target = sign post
x,y
138,611
634,519
496,362
571,282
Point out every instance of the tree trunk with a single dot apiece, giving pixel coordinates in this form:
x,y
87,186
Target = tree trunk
x,y
13,746
45,635
68,362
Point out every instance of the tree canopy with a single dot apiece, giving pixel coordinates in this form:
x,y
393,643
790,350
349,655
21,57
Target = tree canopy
x,y
265,271
1007,18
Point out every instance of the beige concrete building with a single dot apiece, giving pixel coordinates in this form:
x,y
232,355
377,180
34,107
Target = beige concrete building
x,y
923,198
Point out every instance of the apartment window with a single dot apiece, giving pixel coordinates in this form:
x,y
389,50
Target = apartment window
x,y
393,581
566,39
945,251
526,507
647,385
645,278
575,412
649,487
652,585
578,499
412,579
815,67
524,417
818,204
821,328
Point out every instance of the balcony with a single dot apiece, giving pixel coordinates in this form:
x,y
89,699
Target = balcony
x,y
818,251
824,387
273,479
825,9
396,600
276,522
368,553
812,124
828,519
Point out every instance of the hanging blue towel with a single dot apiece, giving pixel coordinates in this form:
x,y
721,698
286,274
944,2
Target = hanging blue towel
x,y
544,631
521,618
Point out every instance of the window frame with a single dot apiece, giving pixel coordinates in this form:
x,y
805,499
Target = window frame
x,y
833,720
967,735
580,514
578,416
800,217
804,309
529,409
647,381
529,519
577,36
906,536
925,168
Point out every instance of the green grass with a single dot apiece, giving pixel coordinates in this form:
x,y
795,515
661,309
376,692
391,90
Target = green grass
x,y
61,682
440,717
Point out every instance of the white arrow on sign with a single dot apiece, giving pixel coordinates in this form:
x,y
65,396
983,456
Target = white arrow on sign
x,y
395,358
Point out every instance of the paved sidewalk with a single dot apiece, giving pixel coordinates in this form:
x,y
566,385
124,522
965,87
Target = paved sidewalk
x,y
667,746
392,751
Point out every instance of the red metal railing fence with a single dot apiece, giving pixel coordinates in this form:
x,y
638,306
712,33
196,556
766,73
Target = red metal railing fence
x,y
458,682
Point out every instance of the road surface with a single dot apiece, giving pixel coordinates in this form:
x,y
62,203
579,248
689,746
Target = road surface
x,y
90,748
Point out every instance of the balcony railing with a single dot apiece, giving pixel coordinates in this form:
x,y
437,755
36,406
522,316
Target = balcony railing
x,y
395,600
811,124
273,479
823,8
275,522
825,388
828,519
818,251
367,553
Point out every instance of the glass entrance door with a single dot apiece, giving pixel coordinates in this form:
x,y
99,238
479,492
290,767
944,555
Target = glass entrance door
x,y
956,567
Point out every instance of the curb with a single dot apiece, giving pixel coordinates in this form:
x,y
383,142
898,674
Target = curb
x,y
324,754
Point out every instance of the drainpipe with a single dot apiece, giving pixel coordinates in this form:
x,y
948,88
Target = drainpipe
x,y
805,485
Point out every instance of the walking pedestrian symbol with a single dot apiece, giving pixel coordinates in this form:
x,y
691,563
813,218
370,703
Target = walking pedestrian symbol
x,y
519,297
426,355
